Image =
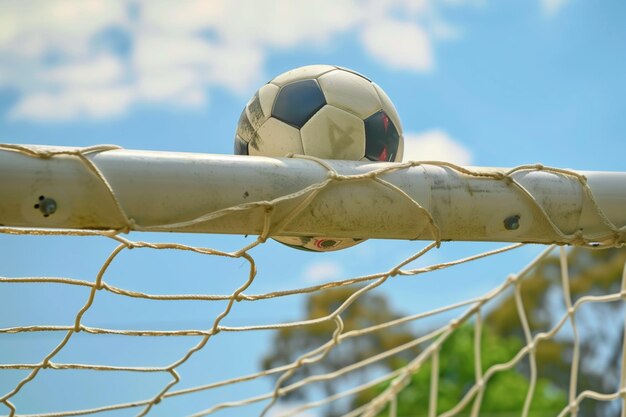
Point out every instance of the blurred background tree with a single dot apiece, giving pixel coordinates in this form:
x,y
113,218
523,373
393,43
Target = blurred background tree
x,y
600,328
505,392
600,325
367,310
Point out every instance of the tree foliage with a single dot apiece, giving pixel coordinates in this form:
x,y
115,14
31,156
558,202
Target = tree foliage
x,y
368,310
600,327
505,391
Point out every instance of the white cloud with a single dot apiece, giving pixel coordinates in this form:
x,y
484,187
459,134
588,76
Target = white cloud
x,y
155,51
101,70
435,145
322,271
167,84
236,67
93,103
182,16
402,45
32,27
52,51
286,23
552,7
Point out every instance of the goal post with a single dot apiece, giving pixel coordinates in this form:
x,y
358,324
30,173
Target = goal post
x,y
105,191
110,188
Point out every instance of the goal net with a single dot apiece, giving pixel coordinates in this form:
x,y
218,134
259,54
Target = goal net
x,y
103,313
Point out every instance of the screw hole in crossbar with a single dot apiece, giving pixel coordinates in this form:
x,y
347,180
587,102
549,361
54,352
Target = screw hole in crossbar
x,y
46,205
512,222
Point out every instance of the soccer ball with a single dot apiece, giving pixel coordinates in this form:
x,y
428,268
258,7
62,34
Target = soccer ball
x,y
323,111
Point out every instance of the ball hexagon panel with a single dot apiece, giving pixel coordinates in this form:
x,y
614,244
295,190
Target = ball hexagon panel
x,y
302,73
245,130
353,72
381,138
296,102
317,244
255,112
388,107
333,133
241,146
350,92
276,138
267,95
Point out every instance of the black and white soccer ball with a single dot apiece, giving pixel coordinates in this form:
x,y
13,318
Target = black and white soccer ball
x,y
323,111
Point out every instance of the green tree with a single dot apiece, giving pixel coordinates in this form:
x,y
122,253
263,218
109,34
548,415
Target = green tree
x,y
591,273
505,392
368,310
600,325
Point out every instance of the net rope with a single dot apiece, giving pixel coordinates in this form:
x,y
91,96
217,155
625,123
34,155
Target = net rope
x,y
395,382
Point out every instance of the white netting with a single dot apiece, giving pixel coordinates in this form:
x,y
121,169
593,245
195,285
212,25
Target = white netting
x,y
378,389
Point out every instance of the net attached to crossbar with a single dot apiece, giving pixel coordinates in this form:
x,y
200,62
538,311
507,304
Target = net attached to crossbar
x,y
377,390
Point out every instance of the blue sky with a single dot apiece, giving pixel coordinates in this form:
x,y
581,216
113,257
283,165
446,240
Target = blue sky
x,y
491,83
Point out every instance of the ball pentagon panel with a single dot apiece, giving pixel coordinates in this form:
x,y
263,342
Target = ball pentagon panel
x,y
381,138
400,155
296,102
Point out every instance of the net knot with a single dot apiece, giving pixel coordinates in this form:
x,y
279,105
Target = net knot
x,y
579,238
45,154
129,226
512,278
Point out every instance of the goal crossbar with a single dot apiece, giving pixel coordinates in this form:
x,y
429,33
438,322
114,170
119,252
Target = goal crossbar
x,y
108,188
